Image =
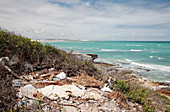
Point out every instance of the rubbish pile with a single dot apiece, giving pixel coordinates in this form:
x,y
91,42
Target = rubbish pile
x,y
52,90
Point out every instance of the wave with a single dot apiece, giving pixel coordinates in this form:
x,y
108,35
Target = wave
x,y
132,45
114,50
159,58
136,50
151,56
152,66
118,50
128,60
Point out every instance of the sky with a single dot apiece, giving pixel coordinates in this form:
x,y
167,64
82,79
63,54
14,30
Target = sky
x,y
111,20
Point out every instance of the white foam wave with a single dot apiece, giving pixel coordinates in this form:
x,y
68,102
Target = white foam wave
x,y
135,50
128,60
132,45
154,51
151,56
152,66
118,50
114,50
159,58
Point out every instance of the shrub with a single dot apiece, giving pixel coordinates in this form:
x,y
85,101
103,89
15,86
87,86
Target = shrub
x,y
121,86
140,96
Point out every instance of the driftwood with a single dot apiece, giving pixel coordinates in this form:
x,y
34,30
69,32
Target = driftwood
x,y
14,74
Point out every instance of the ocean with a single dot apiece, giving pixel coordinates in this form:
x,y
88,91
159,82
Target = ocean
x,y
148,59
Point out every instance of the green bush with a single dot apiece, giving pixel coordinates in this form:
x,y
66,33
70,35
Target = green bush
x,y
135,93
140,96
122,86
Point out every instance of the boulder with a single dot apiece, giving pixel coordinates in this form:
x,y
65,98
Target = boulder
x,y
93,56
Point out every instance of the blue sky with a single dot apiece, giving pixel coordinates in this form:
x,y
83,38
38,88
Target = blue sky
x,y
125,20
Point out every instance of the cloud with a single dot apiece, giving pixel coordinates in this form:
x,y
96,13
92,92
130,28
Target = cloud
x,y
83,19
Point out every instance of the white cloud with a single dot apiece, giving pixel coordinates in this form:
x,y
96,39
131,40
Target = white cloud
x,y
102,20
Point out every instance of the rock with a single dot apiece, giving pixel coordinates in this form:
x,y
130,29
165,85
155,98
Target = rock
x,y
142,81
152,84
166,89
69,109
92,94
54,91
81,56
104,64
93,56
164,92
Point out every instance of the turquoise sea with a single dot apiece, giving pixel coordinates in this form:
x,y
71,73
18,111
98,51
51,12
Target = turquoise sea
x,y
148,59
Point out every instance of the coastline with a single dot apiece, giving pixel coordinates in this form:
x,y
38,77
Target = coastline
x,y
58,40
126,74
146,58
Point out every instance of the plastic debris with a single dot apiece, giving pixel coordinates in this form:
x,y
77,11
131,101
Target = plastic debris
x,y
51,69
22,103
30,77
54,91
51,77
28,91
16,83
106,89
19,94
56,79
62,75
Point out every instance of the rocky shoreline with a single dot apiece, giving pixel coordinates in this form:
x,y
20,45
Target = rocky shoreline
x,y
161,87
92,57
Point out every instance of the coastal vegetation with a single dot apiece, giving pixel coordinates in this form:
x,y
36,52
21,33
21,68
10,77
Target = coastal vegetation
x,y
136,94
39,57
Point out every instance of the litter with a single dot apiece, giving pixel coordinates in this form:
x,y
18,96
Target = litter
x,y
61,75
51,77
106,89
16,83
54,91
28,91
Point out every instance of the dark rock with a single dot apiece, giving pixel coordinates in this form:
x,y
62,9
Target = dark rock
x,y
94,56
166,88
